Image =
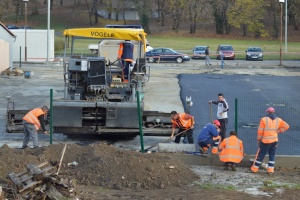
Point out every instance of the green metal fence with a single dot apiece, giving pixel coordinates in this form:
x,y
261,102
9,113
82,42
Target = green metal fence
x,y
249,111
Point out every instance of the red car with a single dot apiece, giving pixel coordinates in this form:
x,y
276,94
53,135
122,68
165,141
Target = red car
x,y
225,50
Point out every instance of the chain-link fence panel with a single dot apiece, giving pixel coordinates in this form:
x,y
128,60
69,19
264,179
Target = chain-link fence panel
x,y
249,111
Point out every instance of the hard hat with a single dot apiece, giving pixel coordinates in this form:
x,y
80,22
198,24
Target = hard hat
x,y
216,122
270,109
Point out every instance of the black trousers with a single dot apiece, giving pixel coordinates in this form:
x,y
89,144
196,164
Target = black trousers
x,y
223,123
188,136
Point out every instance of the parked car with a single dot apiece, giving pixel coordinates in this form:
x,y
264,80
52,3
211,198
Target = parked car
x,y
11,26
166,54
199,52
227,51
254,53
27,27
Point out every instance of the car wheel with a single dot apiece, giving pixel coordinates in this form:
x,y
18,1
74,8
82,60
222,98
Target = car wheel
x,y
179,60
151,60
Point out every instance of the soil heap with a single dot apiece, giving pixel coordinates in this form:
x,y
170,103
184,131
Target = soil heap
x,y
103,165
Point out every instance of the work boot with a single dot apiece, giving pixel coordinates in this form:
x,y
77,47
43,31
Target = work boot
x,y
202,150
226,167
24,147
233,167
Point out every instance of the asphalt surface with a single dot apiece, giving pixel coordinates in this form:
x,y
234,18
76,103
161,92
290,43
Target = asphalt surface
x,y
254,94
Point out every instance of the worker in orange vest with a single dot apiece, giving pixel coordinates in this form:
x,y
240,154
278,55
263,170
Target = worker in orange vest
x,y
267,137
232,151
185,123
33,121
125,54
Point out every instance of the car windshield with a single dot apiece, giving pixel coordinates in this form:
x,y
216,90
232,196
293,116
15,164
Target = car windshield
x,y
200,48
254,49
226,48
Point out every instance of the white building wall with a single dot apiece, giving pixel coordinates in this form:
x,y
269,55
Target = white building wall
x,y
4,55
36,45
5,36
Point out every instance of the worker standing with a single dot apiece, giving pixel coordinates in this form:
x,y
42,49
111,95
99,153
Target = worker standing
x,y
185,123
125,54
232,151
267,137
223,108
209,136
33,121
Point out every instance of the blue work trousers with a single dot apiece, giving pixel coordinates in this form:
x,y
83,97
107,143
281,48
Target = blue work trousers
x,y
207,143
263,150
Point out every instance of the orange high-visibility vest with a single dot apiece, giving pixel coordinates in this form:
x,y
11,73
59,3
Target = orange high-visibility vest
x,y
183,123
32,117
232,150
125,51
268,129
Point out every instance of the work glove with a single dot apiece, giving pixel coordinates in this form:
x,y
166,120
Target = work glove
x,y
258,143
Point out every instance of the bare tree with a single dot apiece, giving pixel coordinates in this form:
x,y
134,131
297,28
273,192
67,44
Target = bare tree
x,y
195,7
219,10
4,5
161,11
143,7
294,10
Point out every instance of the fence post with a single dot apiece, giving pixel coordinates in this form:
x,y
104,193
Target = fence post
x,y
236,115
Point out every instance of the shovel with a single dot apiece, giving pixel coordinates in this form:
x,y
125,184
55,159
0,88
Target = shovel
x,y
167,139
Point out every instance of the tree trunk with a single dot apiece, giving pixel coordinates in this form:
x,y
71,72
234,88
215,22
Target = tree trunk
x,y
95,9
17,11
90,12
109,10
124,20
117,16
34,10
227,26
244,29
275,28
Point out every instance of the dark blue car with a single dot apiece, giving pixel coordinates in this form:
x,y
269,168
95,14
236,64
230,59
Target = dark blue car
x,y
166,54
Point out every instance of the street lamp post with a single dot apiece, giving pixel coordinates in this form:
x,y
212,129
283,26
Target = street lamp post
x,y
25,28
281,2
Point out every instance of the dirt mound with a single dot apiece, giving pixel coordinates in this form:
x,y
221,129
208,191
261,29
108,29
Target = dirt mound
x,y
102,165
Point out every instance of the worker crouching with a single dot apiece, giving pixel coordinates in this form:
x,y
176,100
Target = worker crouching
x,y
231,151
209,136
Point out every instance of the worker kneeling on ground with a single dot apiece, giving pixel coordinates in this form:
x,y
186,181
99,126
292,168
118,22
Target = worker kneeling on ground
x,y
185,123
33,121
267,139
232,151
209,136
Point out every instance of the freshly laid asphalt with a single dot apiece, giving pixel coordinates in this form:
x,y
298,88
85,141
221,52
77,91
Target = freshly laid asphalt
x,y
254,94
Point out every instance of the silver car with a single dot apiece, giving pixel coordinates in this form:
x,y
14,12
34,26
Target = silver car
x,y
254,53
199,52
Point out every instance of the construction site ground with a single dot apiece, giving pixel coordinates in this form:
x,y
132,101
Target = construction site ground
x,y
106,171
